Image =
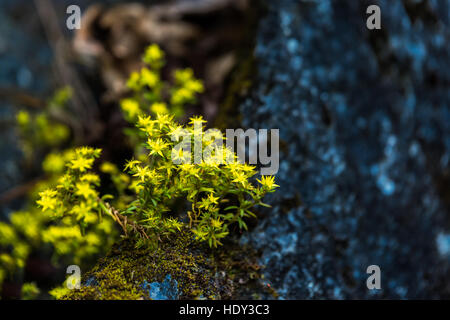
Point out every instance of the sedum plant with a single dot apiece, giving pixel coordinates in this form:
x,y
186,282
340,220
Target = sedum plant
x,y
30,231
217,188
163,189
38,129
152,95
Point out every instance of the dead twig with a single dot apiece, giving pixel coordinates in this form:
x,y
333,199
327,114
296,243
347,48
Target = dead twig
x,y
123,221
21,97
18,191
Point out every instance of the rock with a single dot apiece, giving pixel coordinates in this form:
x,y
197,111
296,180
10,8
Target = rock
x,y
364,127
180,268
167,290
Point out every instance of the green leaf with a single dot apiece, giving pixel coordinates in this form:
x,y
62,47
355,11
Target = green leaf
x,y
107,197
251,214
265,205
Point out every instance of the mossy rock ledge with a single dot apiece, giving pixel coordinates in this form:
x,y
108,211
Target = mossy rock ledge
x,y
180,268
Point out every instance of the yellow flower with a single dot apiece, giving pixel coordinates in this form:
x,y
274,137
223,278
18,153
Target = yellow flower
x,y
88,152
149,78
143,173
194,86
176,132
168,166
153,55
248,168
158,107
163,119
23,118
190,169
90,178
53,163
64,182
181,96
145,123
136,186
7,233
213,135
131,164
268,182
80,211
212,199
157,146
204,203
69,154
81,164
172,224
240,177
26,222
186,167
7,261
84,189
130,107
216,223
179,156
93,239
209,201
184,75
234,166
124,178
108,167
48,199
134,81
196,119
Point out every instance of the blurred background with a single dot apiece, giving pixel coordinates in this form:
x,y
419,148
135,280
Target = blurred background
x,y
363,116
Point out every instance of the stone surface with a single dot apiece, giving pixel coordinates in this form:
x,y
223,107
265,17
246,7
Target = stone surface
x,y
179,268
166,290
365,148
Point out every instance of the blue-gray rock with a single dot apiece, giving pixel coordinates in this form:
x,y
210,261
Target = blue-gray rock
x,y
364,172
166,290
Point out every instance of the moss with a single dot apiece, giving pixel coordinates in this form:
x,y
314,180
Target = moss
x,y
200,272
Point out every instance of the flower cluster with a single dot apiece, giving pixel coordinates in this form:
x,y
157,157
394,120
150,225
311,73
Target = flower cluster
x,y
74,203
151,95
75,192
218,187
55,222
165,188
39,129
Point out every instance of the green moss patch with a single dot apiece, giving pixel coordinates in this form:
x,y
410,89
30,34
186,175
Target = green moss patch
x,y
199,271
